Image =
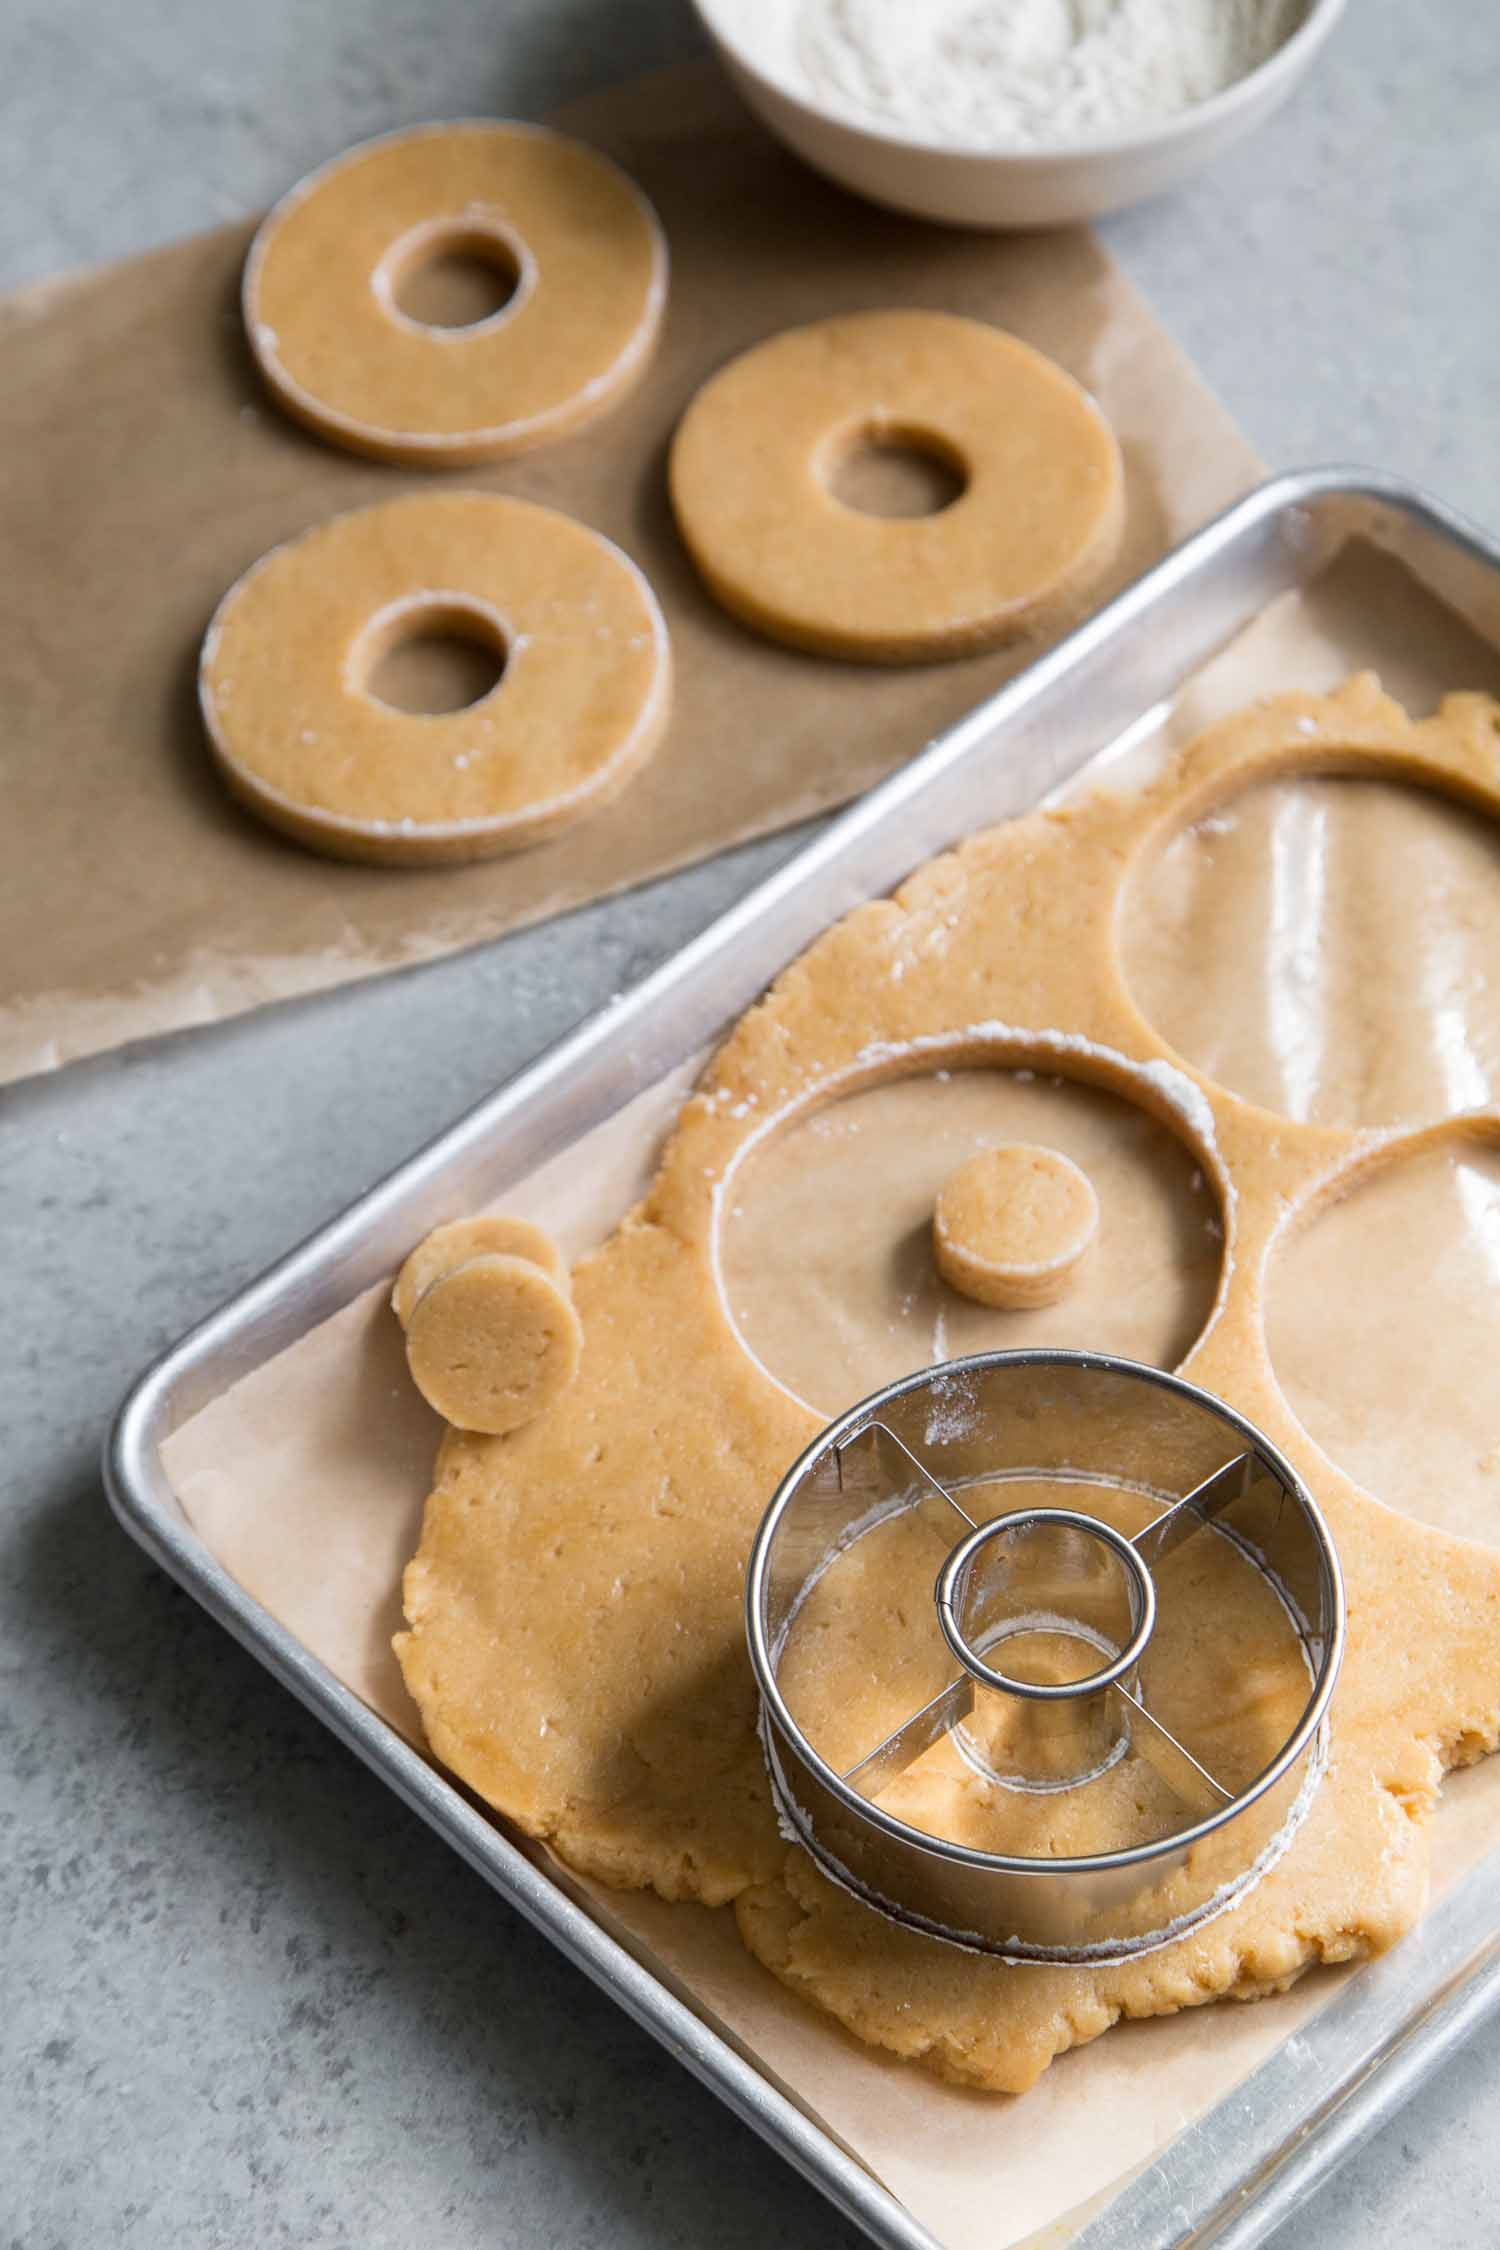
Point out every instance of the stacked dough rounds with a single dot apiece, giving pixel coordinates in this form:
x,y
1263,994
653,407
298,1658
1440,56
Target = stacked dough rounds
x,y
1036,525
491,1334
580,706
580,244
446,1247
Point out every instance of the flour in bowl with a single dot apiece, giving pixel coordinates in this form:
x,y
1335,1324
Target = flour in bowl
x,y
1032,73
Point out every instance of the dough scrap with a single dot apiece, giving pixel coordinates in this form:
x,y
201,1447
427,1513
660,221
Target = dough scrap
x,y
493,1343
611,1712
579,708
590,266
451,1245
1036,526
1013,1225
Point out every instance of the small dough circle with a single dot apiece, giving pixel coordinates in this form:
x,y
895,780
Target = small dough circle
x,y
581,704
1013,1225
493,1343
589,258
1038,522
460,1240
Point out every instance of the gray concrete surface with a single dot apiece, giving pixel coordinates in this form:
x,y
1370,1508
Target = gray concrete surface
x,y
244,1997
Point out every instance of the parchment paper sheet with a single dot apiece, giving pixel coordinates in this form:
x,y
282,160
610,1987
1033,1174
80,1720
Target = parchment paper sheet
x,y
307,1481
142,468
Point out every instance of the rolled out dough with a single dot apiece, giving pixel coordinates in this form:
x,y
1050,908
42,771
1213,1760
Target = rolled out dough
x,y
575,1641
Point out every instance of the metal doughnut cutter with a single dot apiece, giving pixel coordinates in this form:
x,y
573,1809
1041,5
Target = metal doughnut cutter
x,y
1045,1642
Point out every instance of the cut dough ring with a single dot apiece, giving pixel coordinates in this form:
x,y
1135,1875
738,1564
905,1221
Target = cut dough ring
x,y
590,266
1037,524
581,705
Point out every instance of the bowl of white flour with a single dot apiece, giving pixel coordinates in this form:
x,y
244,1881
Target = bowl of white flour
x,y
1014,113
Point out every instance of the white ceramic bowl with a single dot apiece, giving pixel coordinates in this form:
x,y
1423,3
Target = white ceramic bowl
x,y
993,187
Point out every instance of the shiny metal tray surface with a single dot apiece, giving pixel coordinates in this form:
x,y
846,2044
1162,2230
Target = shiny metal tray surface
x,y
1230,2179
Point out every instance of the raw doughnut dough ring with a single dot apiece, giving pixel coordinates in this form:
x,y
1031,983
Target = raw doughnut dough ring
x,y
1013,1226
1038,522
453,1245
492,1343
590,265
581,704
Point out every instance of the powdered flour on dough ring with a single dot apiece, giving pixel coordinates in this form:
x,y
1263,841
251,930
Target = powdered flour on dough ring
x,y
590,265
1036,524
578,709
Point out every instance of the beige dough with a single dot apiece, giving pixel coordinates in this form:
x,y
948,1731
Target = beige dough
x,y
493,1343
576,1634
1013,1225
580,240
578,710
1036,524
453,1245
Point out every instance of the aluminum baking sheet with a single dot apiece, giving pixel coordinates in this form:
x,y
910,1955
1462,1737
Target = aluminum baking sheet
x,y
1232,2177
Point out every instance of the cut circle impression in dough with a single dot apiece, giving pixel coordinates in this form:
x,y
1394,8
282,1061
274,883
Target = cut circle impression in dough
x,y
1037,523
1013,1225
580,243
1400,1389
826,1234
579,707
1344,928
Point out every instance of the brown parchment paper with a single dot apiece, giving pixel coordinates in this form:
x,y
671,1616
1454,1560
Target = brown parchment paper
x,y
142,468
307,1480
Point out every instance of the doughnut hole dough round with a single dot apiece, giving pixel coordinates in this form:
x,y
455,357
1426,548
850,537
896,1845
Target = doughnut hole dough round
x,y
493,1343
590,267
1036,525
453,1245
1013,1226
581,704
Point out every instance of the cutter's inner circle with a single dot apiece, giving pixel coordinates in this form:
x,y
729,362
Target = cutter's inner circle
x,y
999,1583
1045,1609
